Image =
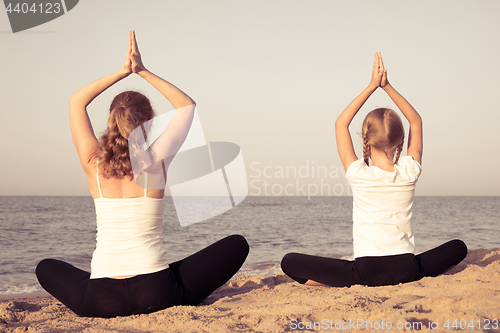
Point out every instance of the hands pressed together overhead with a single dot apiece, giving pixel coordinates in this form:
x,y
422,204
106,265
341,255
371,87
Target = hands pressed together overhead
x,y
379,73
133,61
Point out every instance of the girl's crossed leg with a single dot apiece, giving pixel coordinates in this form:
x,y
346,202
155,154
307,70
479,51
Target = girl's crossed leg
x,y
373,271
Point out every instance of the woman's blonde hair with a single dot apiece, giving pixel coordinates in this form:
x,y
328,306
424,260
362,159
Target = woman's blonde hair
x,y
128,110
384,131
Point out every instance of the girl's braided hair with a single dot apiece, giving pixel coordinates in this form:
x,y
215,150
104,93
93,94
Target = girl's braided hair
x,y
382,130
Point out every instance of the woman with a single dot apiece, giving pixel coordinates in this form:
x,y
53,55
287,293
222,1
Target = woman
x,y
129,272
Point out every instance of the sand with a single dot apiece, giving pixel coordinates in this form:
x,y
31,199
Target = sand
x,y
466,297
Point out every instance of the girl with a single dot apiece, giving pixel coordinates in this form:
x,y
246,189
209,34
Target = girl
x,y
129,272
382,202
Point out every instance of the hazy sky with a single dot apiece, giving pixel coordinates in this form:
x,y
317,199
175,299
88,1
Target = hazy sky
x,y
271,76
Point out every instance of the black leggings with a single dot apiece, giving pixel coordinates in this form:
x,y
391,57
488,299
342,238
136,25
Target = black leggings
x,y
185,282
374,271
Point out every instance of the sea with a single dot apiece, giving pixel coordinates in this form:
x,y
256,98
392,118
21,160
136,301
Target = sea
x,y
36,227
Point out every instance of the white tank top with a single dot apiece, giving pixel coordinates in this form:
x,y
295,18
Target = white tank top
x,y
129,236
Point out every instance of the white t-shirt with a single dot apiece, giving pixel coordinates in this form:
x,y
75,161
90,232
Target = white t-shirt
x,y
382,207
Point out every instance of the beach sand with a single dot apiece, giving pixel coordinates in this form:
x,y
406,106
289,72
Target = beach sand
x,y
469,294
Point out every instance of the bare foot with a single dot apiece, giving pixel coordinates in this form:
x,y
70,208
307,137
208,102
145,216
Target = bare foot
x,y
314,283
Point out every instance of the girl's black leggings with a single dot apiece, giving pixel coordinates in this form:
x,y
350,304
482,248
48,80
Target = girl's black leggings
x,y
185,282
374,271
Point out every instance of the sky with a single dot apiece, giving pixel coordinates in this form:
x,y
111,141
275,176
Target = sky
x,y
270,76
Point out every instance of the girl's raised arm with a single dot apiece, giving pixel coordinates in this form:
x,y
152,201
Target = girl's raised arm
x,y
342,134
415,136
81,129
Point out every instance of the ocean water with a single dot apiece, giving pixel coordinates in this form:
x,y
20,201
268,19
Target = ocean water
x,y
34,228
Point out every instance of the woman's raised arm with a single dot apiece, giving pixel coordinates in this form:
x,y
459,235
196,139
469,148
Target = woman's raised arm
x,y
81,129
168,143
177,97
171,140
